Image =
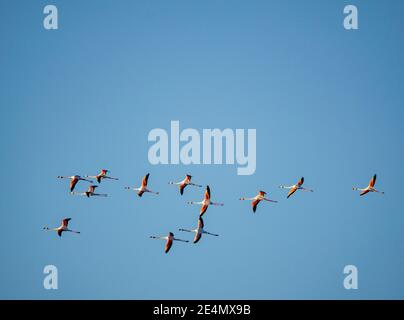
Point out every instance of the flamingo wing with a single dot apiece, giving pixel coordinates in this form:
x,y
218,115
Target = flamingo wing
x,y
168,245
200,223
145,179
300,181
372,181
182,187
254,204
292,191
73,183
140,193
65,222
207,193
197,237
203,209
60,232
364,192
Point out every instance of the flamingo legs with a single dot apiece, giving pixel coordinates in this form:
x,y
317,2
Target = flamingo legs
x,y
305,189
216,204
187,230
195,185
367,190
142,190
212,234
88,194
176,239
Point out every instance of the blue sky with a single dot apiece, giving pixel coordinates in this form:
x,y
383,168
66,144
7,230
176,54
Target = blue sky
x,y
326,104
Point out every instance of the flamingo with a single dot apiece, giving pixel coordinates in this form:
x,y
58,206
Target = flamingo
x,y
259,197
186,182
143,187
297,186
199,231
102,175
169,240
73,180
206,202
63,227
89,193
369,188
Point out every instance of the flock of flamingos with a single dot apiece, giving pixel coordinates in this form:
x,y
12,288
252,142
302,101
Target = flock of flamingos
x,y
205,203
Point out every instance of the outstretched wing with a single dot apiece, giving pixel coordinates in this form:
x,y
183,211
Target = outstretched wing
x,y
182,187
254,204
372,181
145,179
207,193
200,223
197,237
291,191
60,232
364,192
73,183
168,245
140,193
300,181
65,222
203,209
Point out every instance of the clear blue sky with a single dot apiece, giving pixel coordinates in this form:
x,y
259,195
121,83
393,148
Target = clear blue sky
x,y
326,104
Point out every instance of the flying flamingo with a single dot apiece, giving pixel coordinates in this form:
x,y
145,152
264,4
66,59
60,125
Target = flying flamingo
x,y
297,186
206,202
74,180
143,187
89,193
182,184
199,231
169,240
369,188
102,175
63,227
259,197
